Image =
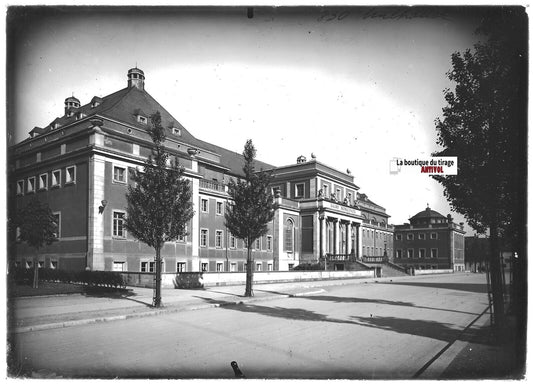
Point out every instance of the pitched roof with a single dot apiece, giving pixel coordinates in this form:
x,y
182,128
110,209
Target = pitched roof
x,y
126,104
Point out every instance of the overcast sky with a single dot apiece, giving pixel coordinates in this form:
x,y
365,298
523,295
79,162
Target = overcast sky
x,y
355,86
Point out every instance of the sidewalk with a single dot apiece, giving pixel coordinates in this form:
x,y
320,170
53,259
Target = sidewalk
x,y
38,313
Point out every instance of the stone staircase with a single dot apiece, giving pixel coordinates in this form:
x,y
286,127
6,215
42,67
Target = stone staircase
x,y
388,269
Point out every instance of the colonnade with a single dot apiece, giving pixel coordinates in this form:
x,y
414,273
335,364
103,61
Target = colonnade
x,y
339,236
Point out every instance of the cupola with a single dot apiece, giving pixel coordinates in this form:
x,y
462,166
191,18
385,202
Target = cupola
x,y
71,103
136,78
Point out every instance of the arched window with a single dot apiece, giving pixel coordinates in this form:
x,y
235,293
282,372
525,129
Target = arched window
x,y
289,236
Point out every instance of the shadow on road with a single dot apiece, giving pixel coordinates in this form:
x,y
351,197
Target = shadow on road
x,y
429,329
467,287
341,299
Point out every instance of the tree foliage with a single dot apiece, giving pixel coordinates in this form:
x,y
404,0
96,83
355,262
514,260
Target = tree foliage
x,y
159,204
485,123
37,226
251,207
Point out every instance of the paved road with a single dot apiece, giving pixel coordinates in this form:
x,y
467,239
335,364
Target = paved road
x,y
386,330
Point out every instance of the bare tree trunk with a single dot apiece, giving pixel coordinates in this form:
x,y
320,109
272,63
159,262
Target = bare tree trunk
x,y
36,270
496,279
157,289
249,292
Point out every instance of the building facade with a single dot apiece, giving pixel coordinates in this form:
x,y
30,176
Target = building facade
x,y
80,164
430,241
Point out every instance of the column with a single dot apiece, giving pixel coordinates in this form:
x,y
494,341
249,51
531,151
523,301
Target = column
x,y
323,234
348,237
335,236
358,244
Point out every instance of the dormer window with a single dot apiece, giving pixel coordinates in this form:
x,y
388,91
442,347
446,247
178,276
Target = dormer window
x,y
80,115
96,101
176,131
142,119
55,125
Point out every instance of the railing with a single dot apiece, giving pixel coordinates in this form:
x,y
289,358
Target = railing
x,y
212,185
340,257
375,259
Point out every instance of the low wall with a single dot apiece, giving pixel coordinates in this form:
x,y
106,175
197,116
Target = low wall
x,y
203,279
432,271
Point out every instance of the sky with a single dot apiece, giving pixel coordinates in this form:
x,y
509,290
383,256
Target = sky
x,y
356,87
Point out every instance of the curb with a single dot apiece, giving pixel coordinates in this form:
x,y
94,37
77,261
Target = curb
x,y
194,307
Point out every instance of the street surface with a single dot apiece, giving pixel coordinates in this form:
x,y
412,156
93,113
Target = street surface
x,y
386,330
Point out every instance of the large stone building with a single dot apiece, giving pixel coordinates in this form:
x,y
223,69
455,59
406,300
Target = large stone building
x,y
430,241
80,165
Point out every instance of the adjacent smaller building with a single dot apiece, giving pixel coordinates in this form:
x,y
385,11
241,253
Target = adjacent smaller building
x,y
430,241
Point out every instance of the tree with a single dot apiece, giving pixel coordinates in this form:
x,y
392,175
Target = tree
x,y
159,204
252,207
38,227
485,125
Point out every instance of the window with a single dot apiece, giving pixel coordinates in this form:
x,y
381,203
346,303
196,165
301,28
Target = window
x,y
204,267
410,253
203,237
398,253
119,174
43,181
291,266
269,243
118,224
57,223
31,185
257,244
410,236
218,239
142,119
204,205
70,175
258,267
434,252
40,264
349,197
325,189
219,208
148,266
176,131
300,189
269,267
53,264
233,267
180,267
398,237
20,187
289,236
119,266
421,236
232,242
29,264
422,253
56,178
338,195
220,267
433,236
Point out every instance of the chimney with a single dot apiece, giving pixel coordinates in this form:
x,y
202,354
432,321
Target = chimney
x,y
136,78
